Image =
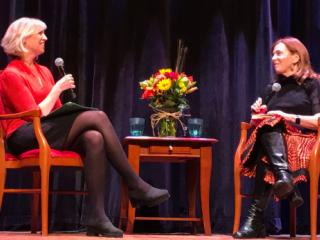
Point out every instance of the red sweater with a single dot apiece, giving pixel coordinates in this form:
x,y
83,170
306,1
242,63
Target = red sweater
x,y
21,91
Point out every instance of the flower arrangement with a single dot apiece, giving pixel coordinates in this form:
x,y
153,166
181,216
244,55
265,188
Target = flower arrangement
x,y
167,90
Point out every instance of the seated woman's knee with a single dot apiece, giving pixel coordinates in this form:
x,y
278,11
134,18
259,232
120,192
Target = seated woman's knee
x,y
101,115
92,138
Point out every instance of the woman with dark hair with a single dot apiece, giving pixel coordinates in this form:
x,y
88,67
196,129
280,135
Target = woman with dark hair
x,y
278,150
26,85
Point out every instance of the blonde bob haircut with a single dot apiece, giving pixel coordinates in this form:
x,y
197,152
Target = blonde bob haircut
x,y
12,41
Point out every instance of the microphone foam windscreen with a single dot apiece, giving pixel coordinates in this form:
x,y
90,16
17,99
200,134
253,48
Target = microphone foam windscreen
x,y
276,87
59,62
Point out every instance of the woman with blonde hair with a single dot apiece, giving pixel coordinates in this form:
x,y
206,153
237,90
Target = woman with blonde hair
x,y
88,131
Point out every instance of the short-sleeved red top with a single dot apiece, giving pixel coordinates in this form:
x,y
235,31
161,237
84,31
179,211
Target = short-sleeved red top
x,y
20,91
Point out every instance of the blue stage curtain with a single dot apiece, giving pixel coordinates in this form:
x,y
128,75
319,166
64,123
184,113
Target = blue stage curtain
x,y
109,46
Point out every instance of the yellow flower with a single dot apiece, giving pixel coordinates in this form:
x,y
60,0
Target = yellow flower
x,y
181,84
183,90
165,70
182,87
164,84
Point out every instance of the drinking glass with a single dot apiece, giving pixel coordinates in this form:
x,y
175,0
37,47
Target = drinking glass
x,y
136,126
195,126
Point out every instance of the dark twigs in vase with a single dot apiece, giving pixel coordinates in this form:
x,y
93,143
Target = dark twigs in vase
x,y
181,56
183,59
180,43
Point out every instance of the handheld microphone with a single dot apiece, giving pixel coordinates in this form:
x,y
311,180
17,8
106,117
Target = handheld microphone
x,y
276,87
60,65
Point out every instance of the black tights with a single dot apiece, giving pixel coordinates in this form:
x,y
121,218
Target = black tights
x,y
93,136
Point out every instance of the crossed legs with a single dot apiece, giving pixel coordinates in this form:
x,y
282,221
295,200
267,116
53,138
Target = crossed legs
x,y
93,135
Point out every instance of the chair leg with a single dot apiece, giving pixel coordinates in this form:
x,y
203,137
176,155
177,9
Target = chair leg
x,y
237,198
44,199
35,203
3,174
293,221
314,181
237,212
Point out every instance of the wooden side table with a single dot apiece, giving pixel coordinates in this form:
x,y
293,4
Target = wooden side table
x,y
195,152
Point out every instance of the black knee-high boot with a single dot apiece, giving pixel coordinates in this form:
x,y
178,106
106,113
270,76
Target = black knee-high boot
x,y
274,146
254,226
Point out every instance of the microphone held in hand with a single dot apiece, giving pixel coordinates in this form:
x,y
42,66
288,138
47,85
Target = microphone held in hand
x,y
60,65
276,87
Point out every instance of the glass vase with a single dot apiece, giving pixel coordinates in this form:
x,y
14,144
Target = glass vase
x,y
167,127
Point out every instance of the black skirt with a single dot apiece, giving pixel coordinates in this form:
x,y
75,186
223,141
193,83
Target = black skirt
x,y
55,127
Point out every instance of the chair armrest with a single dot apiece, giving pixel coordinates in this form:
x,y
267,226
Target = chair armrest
x,y
244,127
32,113
315,153
35,115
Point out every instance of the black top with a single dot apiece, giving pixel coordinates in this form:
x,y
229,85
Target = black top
x,y
293,97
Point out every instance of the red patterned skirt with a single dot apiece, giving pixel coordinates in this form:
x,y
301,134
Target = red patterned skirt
x,y
299,146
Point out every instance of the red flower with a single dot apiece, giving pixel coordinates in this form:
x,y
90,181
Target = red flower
x,y
172,75
148,93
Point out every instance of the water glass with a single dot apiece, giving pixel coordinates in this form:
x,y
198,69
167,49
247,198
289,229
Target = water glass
x,y
136,126
195,126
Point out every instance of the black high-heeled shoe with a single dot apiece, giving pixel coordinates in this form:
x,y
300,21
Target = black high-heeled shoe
x,y
151,197
105,229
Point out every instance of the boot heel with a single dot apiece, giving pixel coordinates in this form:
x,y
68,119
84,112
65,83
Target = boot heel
x,y
105,230
295,198
263,233
283,189
152,197
92,233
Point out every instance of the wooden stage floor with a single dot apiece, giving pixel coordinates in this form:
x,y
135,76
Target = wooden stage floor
x,y
82,236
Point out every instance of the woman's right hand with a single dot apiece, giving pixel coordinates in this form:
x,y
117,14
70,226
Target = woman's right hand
x,y
65,83
258,107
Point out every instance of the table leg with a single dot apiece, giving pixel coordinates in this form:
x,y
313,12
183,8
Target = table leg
x,y
134,160
123,204
205,176
192,176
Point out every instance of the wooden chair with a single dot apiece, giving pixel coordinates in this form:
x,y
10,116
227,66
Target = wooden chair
x,y
41,159
313,182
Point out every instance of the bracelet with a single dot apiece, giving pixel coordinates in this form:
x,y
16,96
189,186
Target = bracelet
x,y
298,120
